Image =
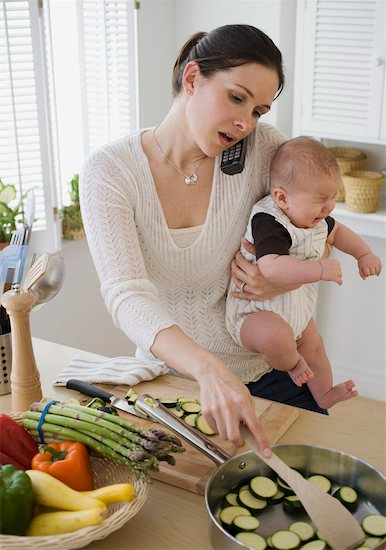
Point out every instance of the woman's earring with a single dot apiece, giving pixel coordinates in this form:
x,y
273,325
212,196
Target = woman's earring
x,y
189,92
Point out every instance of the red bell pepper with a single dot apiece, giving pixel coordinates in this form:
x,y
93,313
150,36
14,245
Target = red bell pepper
x,y
17,446
68,461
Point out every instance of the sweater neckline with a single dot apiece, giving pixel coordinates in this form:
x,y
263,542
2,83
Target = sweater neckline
x,y
149,177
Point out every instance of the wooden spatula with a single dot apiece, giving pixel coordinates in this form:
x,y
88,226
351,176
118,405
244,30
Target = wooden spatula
x,y
335,523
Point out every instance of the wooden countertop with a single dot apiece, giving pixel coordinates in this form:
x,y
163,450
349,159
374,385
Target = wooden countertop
x,y
174,518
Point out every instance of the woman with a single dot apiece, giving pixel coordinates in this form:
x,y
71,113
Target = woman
x,y
164,222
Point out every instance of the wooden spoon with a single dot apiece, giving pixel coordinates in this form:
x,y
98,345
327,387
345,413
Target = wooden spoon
x,y
335,523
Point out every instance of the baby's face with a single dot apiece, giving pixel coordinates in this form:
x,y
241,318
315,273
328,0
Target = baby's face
x,y
313,200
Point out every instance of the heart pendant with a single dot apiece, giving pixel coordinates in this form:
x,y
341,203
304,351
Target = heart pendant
x,y
189,180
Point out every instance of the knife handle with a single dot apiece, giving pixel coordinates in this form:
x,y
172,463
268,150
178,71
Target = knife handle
x,y
88,389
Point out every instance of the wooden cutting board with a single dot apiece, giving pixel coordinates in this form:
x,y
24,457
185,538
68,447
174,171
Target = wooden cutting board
x,y
193,469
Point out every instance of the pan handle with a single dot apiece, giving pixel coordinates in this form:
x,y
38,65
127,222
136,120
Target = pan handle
x,y
160,413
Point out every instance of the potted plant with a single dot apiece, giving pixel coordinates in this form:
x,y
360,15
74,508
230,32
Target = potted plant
x,y
72,224
11,212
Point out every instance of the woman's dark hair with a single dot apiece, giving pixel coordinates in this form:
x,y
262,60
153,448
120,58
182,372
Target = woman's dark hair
x,y
226,47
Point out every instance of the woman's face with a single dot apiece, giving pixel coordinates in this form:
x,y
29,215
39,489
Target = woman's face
x,y
226,107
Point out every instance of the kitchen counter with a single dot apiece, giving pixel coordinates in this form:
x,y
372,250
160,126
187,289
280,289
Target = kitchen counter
x,y
173,518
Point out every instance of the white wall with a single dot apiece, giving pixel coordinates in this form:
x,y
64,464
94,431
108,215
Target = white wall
x,y
351,318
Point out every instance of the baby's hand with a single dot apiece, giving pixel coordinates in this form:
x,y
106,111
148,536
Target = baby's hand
x,y
369,264
331,271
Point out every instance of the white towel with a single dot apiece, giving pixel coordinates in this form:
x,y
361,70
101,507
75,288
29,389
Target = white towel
x,y
116,370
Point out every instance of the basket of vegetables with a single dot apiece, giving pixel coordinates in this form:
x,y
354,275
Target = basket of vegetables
x,y
64,482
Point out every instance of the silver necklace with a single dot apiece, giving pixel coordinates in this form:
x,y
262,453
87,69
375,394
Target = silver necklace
x,y
189,180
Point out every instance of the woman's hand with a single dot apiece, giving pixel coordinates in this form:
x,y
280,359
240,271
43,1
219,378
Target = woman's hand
x,y
249,280
225,402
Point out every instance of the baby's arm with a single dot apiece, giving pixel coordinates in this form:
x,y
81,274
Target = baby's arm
x,y
350,243
283,269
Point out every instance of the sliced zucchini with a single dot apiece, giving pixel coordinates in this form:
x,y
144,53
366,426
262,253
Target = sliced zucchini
x,y
322,482
277,497
263,487
315,545
292,504
203,426
374,525
190,419
245,523
131,396
247,499
305,531
231,499
244,488
371,541
269,542
284,487
228,514
285,540
191,407
95,403
177,412
186,400
169,403
253,540
348,497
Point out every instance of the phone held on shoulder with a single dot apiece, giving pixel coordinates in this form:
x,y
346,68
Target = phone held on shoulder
x,y
232,161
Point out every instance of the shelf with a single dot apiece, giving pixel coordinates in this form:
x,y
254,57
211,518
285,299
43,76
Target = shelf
x,y
368,225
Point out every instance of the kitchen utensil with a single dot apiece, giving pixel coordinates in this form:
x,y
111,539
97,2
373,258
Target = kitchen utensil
x,y
46,286
335,523
340,467
94,391
12,258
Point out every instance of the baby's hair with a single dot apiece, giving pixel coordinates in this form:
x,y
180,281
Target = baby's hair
x,y
226,47
299,156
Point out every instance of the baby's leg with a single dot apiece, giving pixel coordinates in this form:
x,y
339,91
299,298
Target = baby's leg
x,y
312,349
267,333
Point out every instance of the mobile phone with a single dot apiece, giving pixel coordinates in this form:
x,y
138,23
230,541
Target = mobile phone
x,y
232,161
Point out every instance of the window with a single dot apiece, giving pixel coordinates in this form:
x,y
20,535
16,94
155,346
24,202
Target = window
x,y
43,135
27,156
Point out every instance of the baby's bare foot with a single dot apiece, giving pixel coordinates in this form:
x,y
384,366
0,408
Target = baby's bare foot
x,y
301,372
340,392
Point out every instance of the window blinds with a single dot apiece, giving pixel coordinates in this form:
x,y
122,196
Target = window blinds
x,y
26,152
107,62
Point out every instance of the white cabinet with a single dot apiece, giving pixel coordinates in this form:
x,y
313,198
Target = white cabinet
x,y
340,69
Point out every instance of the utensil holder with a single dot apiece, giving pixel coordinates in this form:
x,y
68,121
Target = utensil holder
x,y
6,363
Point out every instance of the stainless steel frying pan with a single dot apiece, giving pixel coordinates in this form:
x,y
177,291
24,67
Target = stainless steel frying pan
x,y
340,467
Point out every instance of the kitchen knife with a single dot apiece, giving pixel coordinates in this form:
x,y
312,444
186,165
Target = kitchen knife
x,y
94,391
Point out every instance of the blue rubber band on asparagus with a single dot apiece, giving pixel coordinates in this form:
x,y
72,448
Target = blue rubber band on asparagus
x,y
45,411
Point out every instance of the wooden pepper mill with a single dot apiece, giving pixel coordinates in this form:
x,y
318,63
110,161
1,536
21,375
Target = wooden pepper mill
x,y
25,378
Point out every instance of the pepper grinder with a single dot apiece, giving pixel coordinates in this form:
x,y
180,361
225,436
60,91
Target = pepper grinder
x,y
19,301
25,378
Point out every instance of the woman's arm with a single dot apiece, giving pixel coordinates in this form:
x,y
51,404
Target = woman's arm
x,y
225,400
257,286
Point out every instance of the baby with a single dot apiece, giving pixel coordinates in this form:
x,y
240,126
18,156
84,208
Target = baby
x,y
289,229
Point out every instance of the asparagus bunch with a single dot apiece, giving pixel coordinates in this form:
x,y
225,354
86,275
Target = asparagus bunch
x,y
108,435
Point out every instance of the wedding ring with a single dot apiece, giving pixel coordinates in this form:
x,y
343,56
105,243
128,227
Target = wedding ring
x,y
242,287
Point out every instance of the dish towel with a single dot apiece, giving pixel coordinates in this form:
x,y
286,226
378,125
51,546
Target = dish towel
x,y
116,370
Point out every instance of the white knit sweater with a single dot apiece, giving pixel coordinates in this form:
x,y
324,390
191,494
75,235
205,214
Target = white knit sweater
x,y
147,281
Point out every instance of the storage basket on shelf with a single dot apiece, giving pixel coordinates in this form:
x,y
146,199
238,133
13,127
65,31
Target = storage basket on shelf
x,y
362,188
348,159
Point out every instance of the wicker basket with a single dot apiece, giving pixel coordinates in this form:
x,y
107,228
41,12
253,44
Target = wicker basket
x,y
105,472
348,159
362,189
